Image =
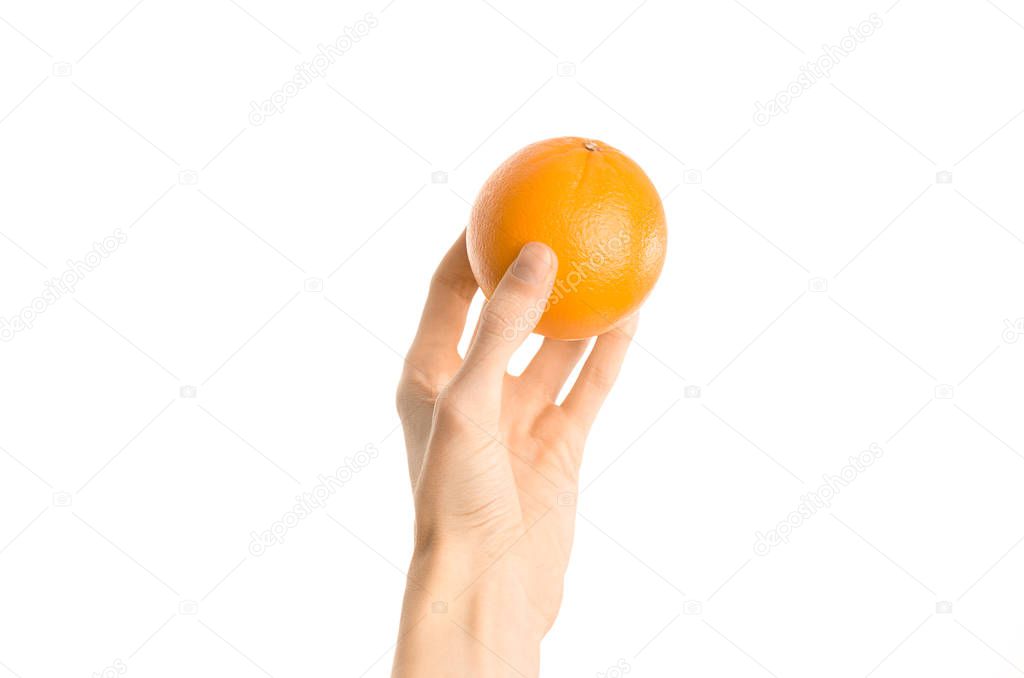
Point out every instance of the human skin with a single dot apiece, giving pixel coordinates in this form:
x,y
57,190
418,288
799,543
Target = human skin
x,y
494,466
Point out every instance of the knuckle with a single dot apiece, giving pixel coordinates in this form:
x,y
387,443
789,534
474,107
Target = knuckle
x,y
499,321
458,401
405,399
413,389
461,286
508,318
599,378
448,402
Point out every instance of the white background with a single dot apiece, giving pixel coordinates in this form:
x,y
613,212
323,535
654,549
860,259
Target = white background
x,y
820,286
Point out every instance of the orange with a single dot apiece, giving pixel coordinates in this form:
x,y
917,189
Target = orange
x,y
595,208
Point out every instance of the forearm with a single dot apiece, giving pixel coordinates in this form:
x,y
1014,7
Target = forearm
x,y
459,619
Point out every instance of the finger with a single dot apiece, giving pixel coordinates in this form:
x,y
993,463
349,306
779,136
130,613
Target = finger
x,y
552,365
444,315
599,373
512,311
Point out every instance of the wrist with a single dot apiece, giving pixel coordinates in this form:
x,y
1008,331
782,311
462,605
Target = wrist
x,y
483,595
457,605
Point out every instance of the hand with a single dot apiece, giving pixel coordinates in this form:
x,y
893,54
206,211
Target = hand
x,y
494,466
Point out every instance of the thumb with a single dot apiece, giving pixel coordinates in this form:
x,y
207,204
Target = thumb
x,y
513,310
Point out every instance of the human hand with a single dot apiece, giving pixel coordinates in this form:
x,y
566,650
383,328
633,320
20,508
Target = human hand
x,y
494,466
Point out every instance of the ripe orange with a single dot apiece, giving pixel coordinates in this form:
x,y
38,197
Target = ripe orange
x,y
595,208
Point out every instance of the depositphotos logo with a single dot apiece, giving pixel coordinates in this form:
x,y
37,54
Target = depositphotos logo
x,y
815,70
812,503
309,71
62,285
308,502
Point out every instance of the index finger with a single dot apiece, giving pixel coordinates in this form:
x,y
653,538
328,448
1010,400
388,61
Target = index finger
x,y
444,315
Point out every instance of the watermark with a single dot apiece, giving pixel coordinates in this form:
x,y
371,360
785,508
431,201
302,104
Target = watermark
x,y
816,69
812,502
308,502
569,284
308,72
617,670
58,287
1013,330
118,668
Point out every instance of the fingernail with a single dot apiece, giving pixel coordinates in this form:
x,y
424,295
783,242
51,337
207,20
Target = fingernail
x,y
533,263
